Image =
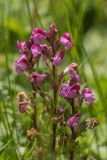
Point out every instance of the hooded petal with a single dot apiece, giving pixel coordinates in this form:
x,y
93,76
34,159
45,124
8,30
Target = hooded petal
x,y
58,57
73,121
66,41
37,79
22,64
39,35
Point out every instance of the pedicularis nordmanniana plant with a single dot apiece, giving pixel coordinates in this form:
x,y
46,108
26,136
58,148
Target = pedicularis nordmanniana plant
x,y
57,127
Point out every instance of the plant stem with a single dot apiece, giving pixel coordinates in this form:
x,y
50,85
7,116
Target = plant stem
x,y
34,92
54,107
34,116
54,137
71,155
73,137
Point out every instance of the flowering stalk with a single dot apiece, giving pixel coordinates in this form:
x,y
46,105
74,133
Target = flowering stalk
x,y
54,99
51,48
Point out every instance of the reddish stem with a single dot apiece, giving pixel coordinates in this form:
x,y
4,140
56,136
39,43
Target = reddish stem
x,y
73,137
54,109
34,116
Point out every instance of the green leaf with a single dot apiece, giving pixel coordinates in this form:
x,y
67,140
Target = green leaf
x,y
5,146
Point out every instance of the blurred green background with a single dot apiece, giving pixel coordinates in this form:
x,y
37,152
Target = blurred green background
x,y
86,20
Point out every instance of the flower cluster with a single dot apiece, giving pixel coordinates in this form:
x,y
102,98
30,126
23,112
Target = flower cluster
x,y
72,90
48,46
39,45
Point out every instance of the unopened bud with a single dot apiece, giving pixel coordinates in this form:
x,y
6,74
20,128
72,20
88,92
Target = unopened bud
x,y
56,120
71,68
31,133
92,123
40,152
23,105
21,96
53,30
77,101
34,60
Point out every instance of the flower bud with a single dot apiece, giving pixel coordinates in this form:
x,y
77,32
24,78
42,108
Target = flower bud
x,y
37,79
31,133
56,120
92,123
66,41
71,68
21,96
60,109
73,121
22,106
40,152
53,30
77,101
20,46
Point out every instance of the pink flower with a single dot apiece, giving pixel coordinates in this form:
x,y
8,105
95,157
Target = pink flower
x,y
69,91
60,108
38,35
36,50
29,43
73,121
37,79
66,41
45,48
22,64
22,106
53,30
58,57
74,78
88,96
20,45
70,69
46,51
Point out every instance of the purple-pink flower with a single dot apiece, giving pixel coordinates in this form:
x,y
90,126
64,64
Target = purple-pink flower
x,y
74,78
58,57
39,35
73,121
45,48
88,96
29,43
20,45
69,91
37,78
53,30
22,106
36,50
22,64
60,108
66,41
70,68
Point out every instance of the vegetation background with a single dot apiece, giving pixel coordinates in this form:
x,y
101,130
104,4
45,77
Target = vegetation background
x,y
86,20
